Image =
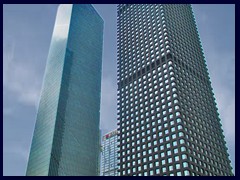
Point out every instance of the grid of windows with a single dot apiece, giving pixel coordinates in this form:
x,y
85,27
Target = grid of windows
x,y
109,154
167,117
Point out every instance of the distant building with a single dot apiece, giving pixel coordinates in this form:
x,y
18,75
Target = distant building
x,y
168,123
109,154
66,138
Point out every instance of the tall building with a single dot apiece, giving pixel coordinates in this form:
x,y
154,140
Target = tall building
x,y
66,138
109,154
167,116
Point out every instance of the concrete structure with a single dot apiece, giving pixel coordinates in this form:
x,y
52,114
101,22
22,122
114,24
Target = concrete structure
x,y
167,116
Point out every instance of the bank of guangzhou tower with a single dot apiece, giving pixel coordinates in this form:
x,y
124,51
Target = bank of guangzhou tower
x,y
167,116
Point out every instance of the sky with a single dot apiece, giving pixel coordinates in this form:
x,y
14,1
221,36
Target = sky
x,y
27,31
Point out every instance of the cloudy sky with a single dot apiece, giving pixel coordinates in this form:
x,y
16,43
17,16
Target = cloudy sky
x,y
27,31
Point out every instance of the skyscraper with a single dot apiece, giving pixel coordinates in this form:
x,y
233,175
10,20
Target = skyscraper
x,y
109,154
167,116
66,138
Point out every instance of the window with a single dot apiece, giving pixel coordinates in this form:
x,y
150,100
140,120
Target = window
x,y
179,127
180,134
177,113
185,164
179,174
162,154
151,172
176,158
184,156
183,149
139,168
182,141
169,152
186,173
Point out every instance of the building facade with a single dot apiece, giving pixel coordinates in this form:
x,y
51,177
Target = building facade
x,y
109,154
66,139
167,116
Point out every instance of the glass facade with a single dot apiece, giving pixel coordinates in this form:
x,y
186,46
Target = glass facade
x,y
109,154
66,139
168,122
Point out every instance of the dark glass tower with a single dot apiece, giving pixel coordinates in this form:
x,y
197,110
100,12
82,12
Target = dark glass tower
x,y
167,116
66,139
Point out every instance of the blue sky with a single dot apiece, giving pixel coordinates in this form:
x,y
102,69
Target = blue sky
x,y
27,31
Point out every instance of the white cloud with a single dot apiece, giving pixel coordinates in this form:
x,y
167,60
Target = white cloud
x,y
18,150
7,111
203,17
8,55
221,65
220,57
222,77
226,105
20,77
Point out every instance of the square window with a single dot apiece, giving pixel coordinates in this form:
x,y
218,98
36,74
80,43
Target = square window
x,y
179,174
186,173
176,158
170,168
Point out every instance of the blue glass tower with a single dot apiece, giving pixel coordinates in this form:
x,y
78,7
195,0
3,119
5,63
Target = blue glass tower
x,y
66,139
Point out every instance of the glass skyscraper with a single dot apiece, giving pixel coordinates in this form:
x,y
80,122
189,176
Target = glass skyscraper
x,y
167,116
109,154
66,139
